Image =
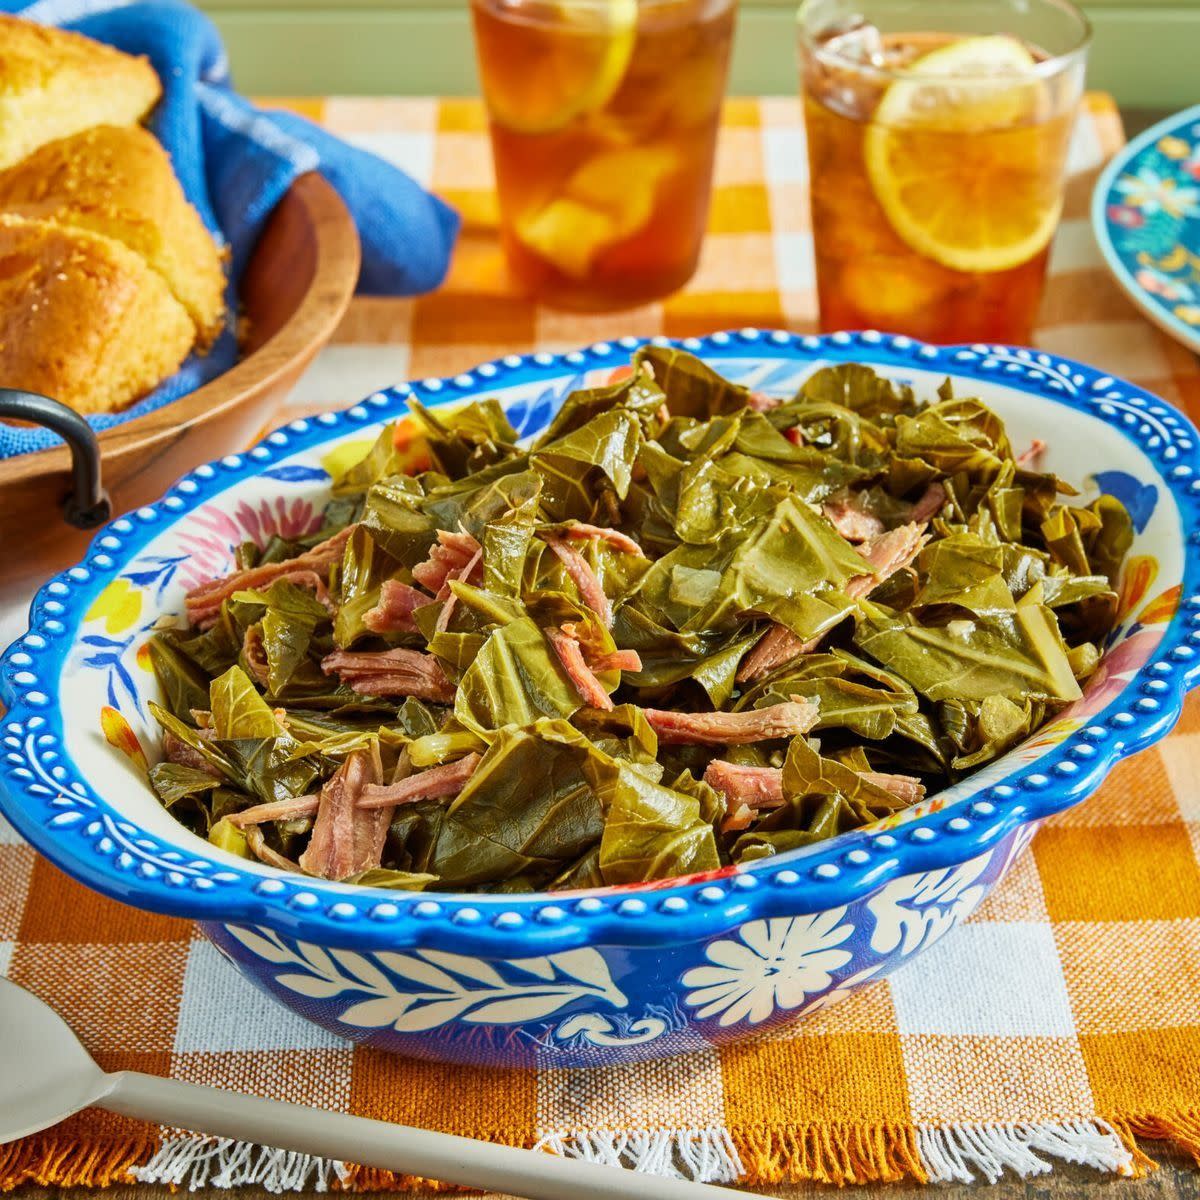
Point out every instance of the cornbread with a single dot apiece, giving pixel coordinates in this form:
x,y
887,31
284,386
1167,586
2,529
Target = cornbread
x,y
83,318
54,83
117,181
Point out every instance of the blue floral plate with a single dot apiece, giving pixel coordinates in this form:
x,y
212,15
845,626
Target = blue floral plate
x,y
1146,213
586,978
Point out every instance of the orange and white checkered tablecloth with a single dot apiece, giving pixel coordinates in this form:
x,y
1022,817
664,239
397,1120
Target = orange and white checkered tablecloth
x,y
1061,1021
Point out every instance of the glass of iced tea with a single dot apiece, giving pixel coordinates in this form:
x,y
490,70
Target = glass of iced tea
x,y
603,117
937,142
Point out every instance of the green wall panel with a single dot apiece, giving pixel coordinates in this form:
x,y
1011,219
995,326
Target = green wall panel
x,y
1145,54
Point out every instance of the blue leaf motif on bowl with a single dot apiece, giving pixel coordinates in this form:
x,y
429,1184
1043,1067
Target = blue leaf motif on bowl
x,y
1139,498
422,990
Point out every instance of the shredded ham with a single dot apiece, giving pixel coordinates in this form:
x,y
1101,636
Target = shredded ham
x,y
294,808
618,660
310,569
761,402
581,531
474,567
394,612
762,787
904,787
345,838
583,577
754,787
449,555
570,655
777,646
396,672
928,504
851,520
255,654
176,750
1032,457
886,554
732,729
436,783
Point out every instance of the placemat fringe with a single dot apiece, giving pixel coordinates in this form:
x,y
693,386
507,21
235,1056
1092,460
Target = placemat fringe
x,y
839,1153
954,1153
55,1162
1181,1129
831,1153
708,1155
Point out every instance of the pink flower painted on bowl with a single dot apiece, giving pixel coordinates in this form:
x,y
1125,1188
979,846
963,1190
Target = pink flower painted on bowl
x,y
213,536
287,519
1116,669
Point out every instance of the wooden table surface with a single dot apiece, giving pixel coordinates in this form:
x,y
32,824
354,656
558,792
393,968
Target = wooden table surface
x,y
1176,1179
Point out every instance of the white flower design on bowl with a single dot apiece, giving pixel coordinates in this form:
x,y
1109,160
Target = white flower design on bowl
x,y
773,964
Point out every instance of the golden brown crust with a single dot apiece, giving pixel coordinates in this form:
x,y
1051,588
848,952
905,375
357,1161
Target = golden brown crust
x,y
117,181
82,318
54,82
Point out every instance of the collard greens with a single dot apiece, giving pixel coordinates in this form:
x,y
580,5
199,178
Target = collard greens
x,y
690,625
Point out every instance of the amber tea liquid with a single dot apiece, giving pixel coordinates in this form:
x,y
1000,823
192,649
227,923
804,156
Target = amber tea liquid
x,y
603,119
934,204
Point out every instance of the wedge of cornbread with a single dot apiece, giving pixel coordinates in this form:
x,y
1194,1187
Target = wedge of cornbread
x,y
53,83
83,318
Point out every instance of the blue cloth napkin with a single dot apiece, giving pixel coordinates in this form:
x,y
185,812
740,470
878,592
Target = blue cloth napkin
x,y
236,163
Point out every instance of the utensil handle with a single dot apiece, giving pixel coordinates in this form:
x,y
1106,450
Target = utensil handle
x,y
399,1148
87,505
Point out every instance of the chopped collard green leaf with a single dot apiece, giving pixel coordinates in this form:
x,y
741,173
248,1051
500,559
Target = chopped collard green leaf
x,y
689,626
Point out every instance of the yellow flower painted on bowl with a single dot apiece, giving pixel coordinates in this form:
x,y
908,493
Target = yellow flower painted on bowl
x,y
344,455
1174,148
1162,608
118,606
1140,573
1189,313
120,736
143,658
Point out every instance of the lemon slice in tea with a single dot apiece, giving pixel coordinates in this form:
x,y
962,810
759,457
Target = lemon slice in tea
x,y
962,158
570,64
609,198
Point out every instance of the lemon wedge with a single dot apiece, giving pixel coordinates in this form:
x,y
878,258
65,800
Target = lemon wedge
x,y
962,158
606,200
583,56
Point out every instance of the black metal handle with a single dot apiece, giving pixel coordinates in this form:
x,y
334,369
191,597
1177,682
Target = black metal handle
x,y
88,504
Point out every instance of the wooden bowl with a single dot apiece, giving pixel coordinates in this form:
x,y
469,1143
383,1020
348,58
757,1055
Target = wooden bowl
x,y
293,293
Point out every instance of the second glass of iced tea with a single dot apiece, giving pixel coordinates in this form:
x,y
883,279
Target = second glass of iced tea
x,y
603,117
937,136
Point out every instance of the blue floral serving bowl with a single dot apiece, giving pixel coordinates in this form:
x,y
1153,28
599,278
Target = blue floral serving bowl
x,y
587,978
